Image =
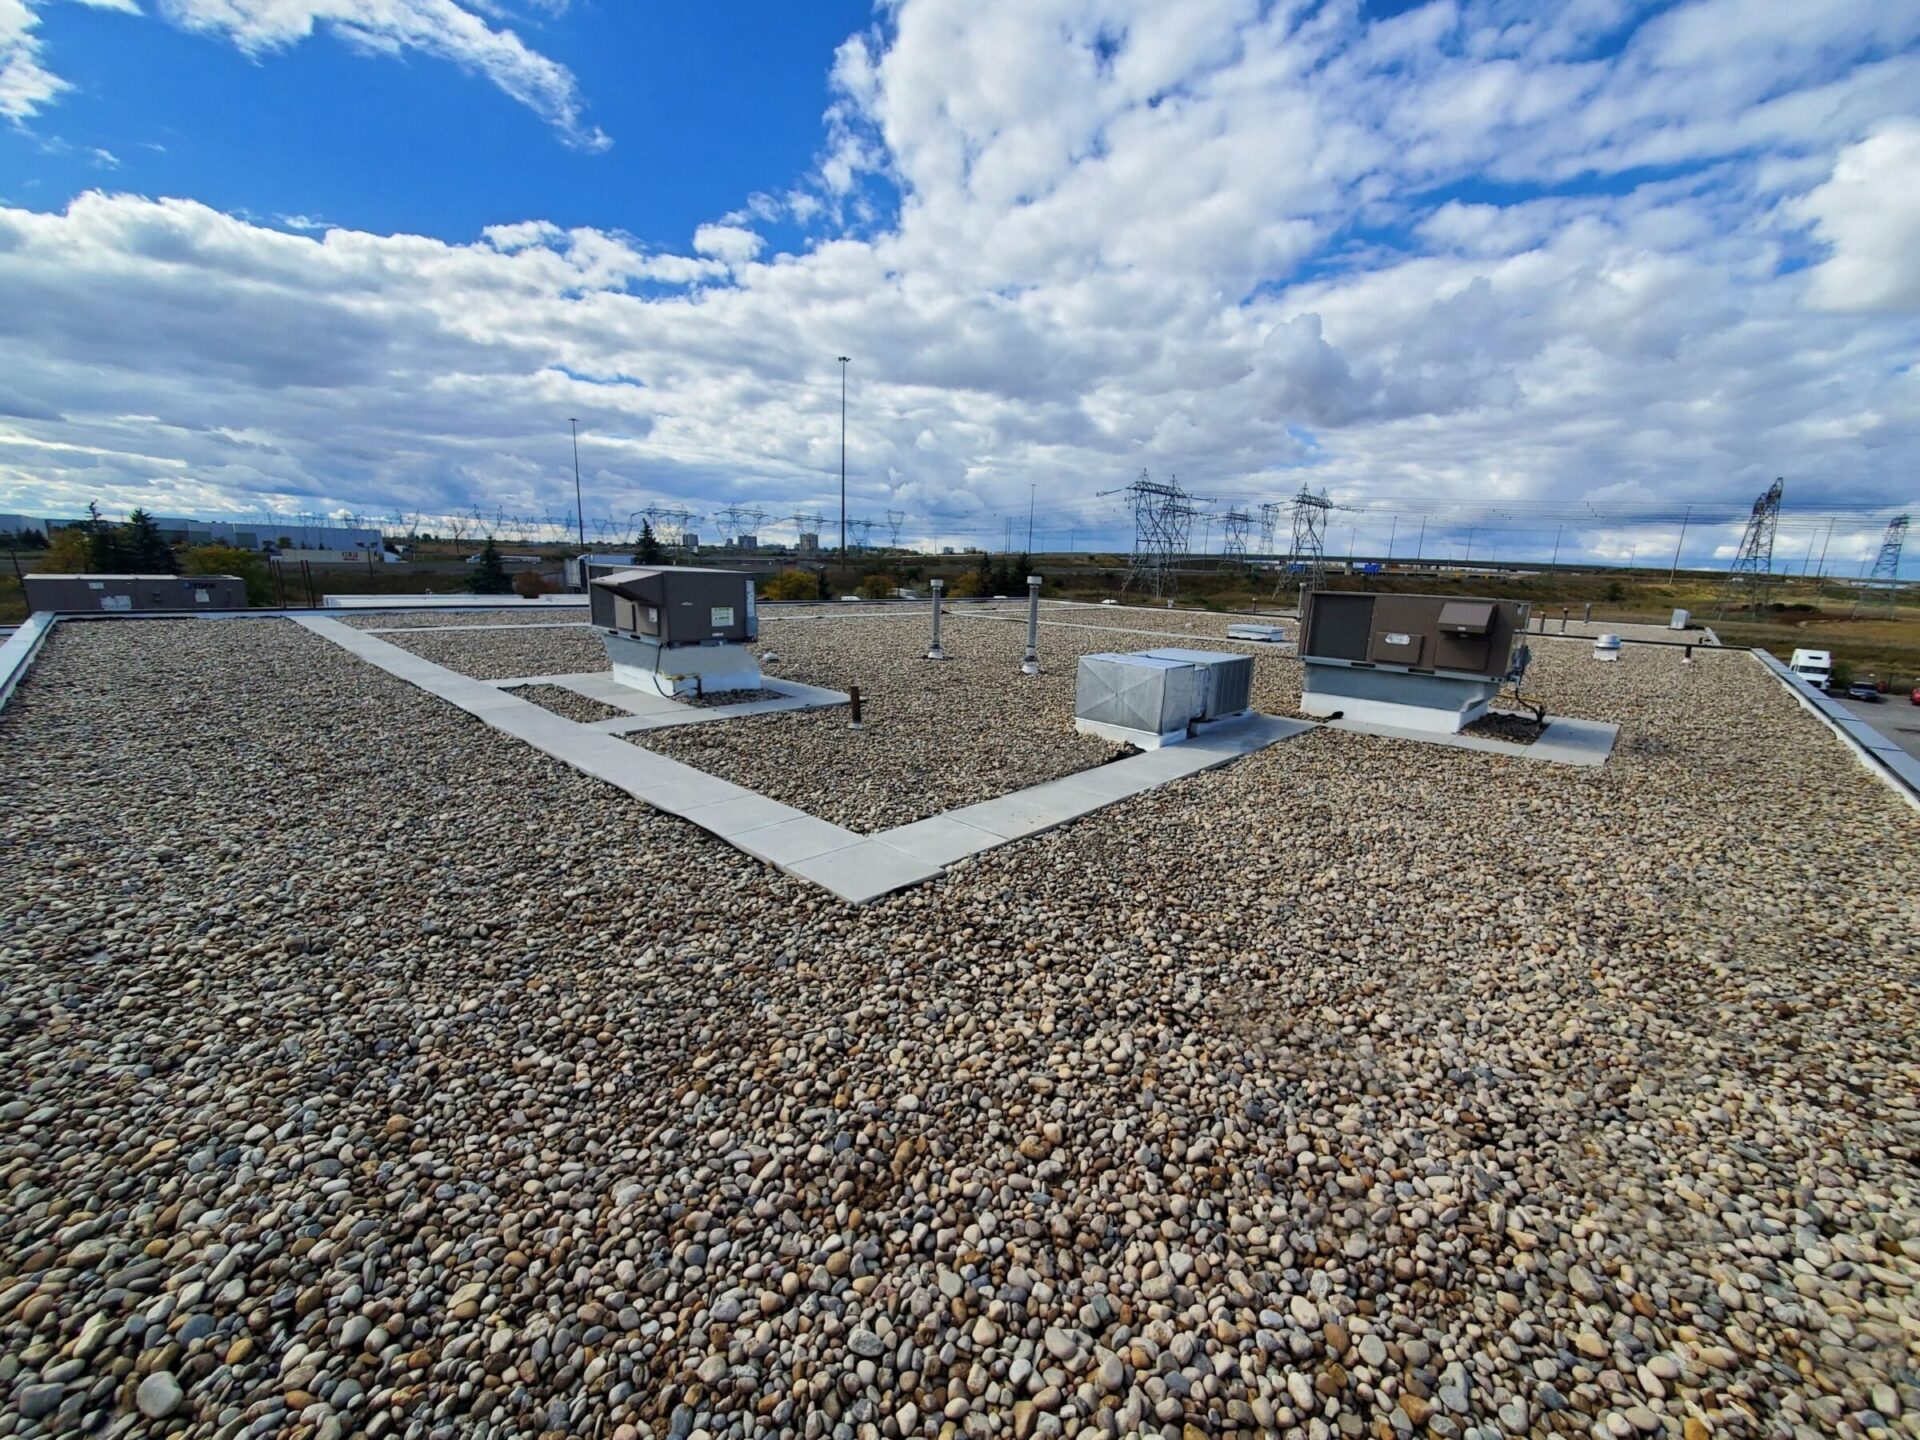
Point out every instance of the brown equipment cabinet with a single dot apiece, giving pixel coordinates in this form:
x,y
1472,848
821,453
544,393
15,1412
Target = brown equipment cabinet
x,y
677,605
1417,632
1418,662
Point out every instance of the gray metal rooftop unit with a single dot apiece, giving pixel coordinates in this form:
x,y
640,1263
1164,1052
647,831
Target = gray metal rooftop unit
x,y
1154,697
1229,678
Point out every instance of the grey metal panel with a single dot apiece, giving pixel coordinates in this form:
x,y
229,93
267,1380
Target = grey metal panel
x,y
1399,687
135,592
1228,676
1138,692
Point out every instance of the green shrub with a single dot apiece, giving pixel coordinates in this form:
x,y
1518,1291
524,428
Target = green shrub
x,y
229,560
790,585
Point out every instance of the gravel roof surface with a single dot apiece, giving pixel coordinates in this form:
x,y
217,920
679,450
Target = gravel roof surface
x,y
438,619
366,1067
511,652
938,734
568,703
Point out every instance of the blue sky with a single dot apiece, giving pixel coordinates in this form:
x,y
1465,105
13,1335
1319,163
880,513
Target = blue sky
x,y
708,104
1537,271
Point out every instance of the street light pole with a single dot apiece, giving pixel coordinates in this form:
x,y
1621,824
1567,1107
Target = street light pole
x,y
843,458
579,511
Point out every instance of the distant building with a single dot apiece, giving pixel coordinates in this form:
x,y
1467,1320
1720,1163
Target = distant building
x,y
809,542
690,541
136,592
373,555
748,542
285,535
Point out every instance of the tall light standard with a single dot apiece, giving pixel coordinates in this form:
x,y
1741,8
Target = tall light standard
x,y
843,458
579,510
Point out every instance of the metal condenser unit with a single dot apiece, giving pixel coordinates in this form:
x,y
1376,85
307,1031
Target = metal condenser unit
x,y
1228,677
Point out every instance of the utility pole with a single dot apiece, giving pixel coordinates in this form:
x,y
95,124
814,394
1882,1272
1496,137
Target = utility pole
x,y
1392,531
1674,569
1555,561
1823,546
1469,556
843,458
1031,489
1420,546
579,510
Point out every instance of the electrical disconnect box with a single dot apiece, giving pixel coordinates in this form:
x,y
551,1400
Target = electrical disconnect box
x,y
678,630
1419,662
1154,697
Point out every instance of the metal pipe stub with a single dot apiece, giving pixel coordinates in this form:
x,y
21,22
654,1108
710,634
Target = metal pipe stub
x,y
1031,664
934,652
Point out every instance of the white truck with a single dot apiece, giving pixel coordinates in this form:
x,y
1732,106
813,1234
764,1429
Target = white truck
x,y
1813,666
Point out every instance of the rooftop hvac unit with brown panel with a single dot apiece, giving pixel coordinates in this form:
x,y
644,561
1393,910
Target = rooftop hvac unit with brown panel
x,y
1413,662
678,630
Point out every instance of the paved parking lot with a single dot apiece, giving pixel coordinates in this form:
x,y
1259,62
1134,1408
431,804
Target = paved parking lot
x,y
1893,716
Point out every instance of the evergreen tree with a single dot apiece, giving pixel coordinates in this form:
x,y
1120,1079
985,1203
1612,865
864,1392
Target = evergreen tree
x,y
489,575
648,550
144,548
107,551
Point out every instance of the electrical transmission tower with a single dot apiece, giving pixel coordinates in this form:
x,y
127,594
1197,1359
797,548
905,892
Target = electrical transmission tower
x,y
669,523
1162,528
862,529
1234,526
1269,523
1751,577
805,523
1306,562
895,519
736,520
1886,565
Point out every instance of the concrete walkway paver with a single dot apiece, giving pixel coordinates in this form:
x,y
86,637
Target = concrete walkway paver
x,y
857,868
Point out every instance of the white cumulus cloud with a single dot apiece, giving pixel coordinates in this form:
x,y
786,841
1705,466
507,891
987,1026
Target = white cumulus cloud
x,y
1868,215
1466,254
442,29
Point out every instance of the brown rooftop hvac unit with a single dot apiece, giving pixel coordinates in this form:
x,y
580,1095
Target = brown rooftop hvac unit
x,y
678,630
1416,662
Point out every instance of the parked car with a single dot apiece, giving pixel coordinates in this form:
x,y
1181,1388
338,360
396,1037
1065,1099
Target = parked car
x,y
1863,690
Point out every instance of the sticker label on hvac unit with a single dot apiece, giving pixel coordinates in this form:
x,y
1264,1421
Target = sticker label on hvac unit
x,y
1393,639
722,616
